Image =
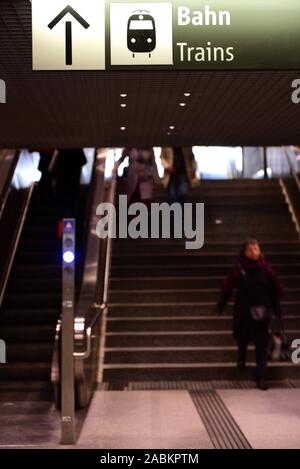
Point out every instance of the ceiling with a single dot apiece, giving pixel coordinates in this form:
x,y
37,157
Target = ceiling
x,y
57,109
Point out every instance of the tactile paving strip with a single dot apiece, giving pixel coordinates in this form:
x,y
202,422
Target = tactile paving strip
x,y
201,385
219,423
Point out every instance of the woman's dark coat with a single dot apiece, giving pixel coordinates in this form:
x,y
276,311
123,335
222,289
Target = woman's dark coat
x,y
255,284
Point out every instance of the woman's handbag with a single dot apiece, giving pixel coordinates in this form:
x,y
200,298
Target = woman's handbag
x,y
279,348
261,313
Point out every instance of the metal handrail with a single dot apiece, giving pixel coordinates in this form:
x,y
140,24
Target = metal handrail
x,y
292,169
16,241
4,192
100,307
290,205
108,248
87,352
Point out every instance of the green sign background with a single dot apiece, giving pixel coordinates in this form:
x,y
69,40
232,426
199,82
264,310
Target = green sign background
x,y
265,35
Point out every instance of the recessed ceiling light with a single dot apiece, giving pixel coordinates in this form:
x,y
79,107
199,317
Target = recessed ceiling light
x,y
123,105
122,128
187,94
123,95
171,127
182,104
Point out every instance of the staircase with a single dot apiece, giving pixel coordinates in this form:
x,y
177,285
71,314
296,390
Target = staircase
x,y
161,324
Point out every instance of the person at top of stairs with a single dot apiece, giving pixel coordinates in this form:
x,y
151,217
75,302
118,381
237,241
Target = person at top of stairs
x,y
258,294
179,172
141,175
67,172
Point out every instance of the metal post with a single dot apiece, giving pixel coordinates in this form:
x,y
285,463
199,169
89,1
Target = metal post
x,y
67,345
242,175
265,163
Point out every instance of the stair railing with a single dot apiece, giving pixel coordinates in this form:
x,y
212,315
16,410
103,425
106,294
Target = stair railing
x,y
289,198
290,205
291,166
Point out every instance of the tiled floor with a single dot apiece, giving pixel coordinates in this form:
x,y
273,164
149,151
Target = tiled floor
x,y
269,420
143,419
163,419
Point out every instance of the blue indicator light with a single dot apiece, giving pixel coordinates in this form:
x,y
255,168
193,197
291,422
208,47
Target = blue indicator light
x,y
68,257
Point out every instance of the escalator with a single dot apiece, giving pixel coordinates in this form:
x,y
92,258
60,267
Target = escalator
x,y
31,305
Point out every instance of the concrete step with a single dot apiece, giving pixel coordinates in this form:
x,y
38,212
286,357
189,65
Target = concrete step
x,y
237,183
180,296
175,283
215,206
249,194
221,246
182,323
178,246
232,185
195,258
183,309
177,338
209,270
263,228
127,355
194,371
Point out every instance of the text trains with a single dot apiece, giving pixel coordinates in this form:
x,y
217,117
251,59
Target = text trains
x,y
208,53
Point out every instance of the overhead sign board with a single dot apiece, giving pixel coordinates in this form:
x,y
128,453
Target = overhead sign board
x,y
178,34
68,35
141,34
